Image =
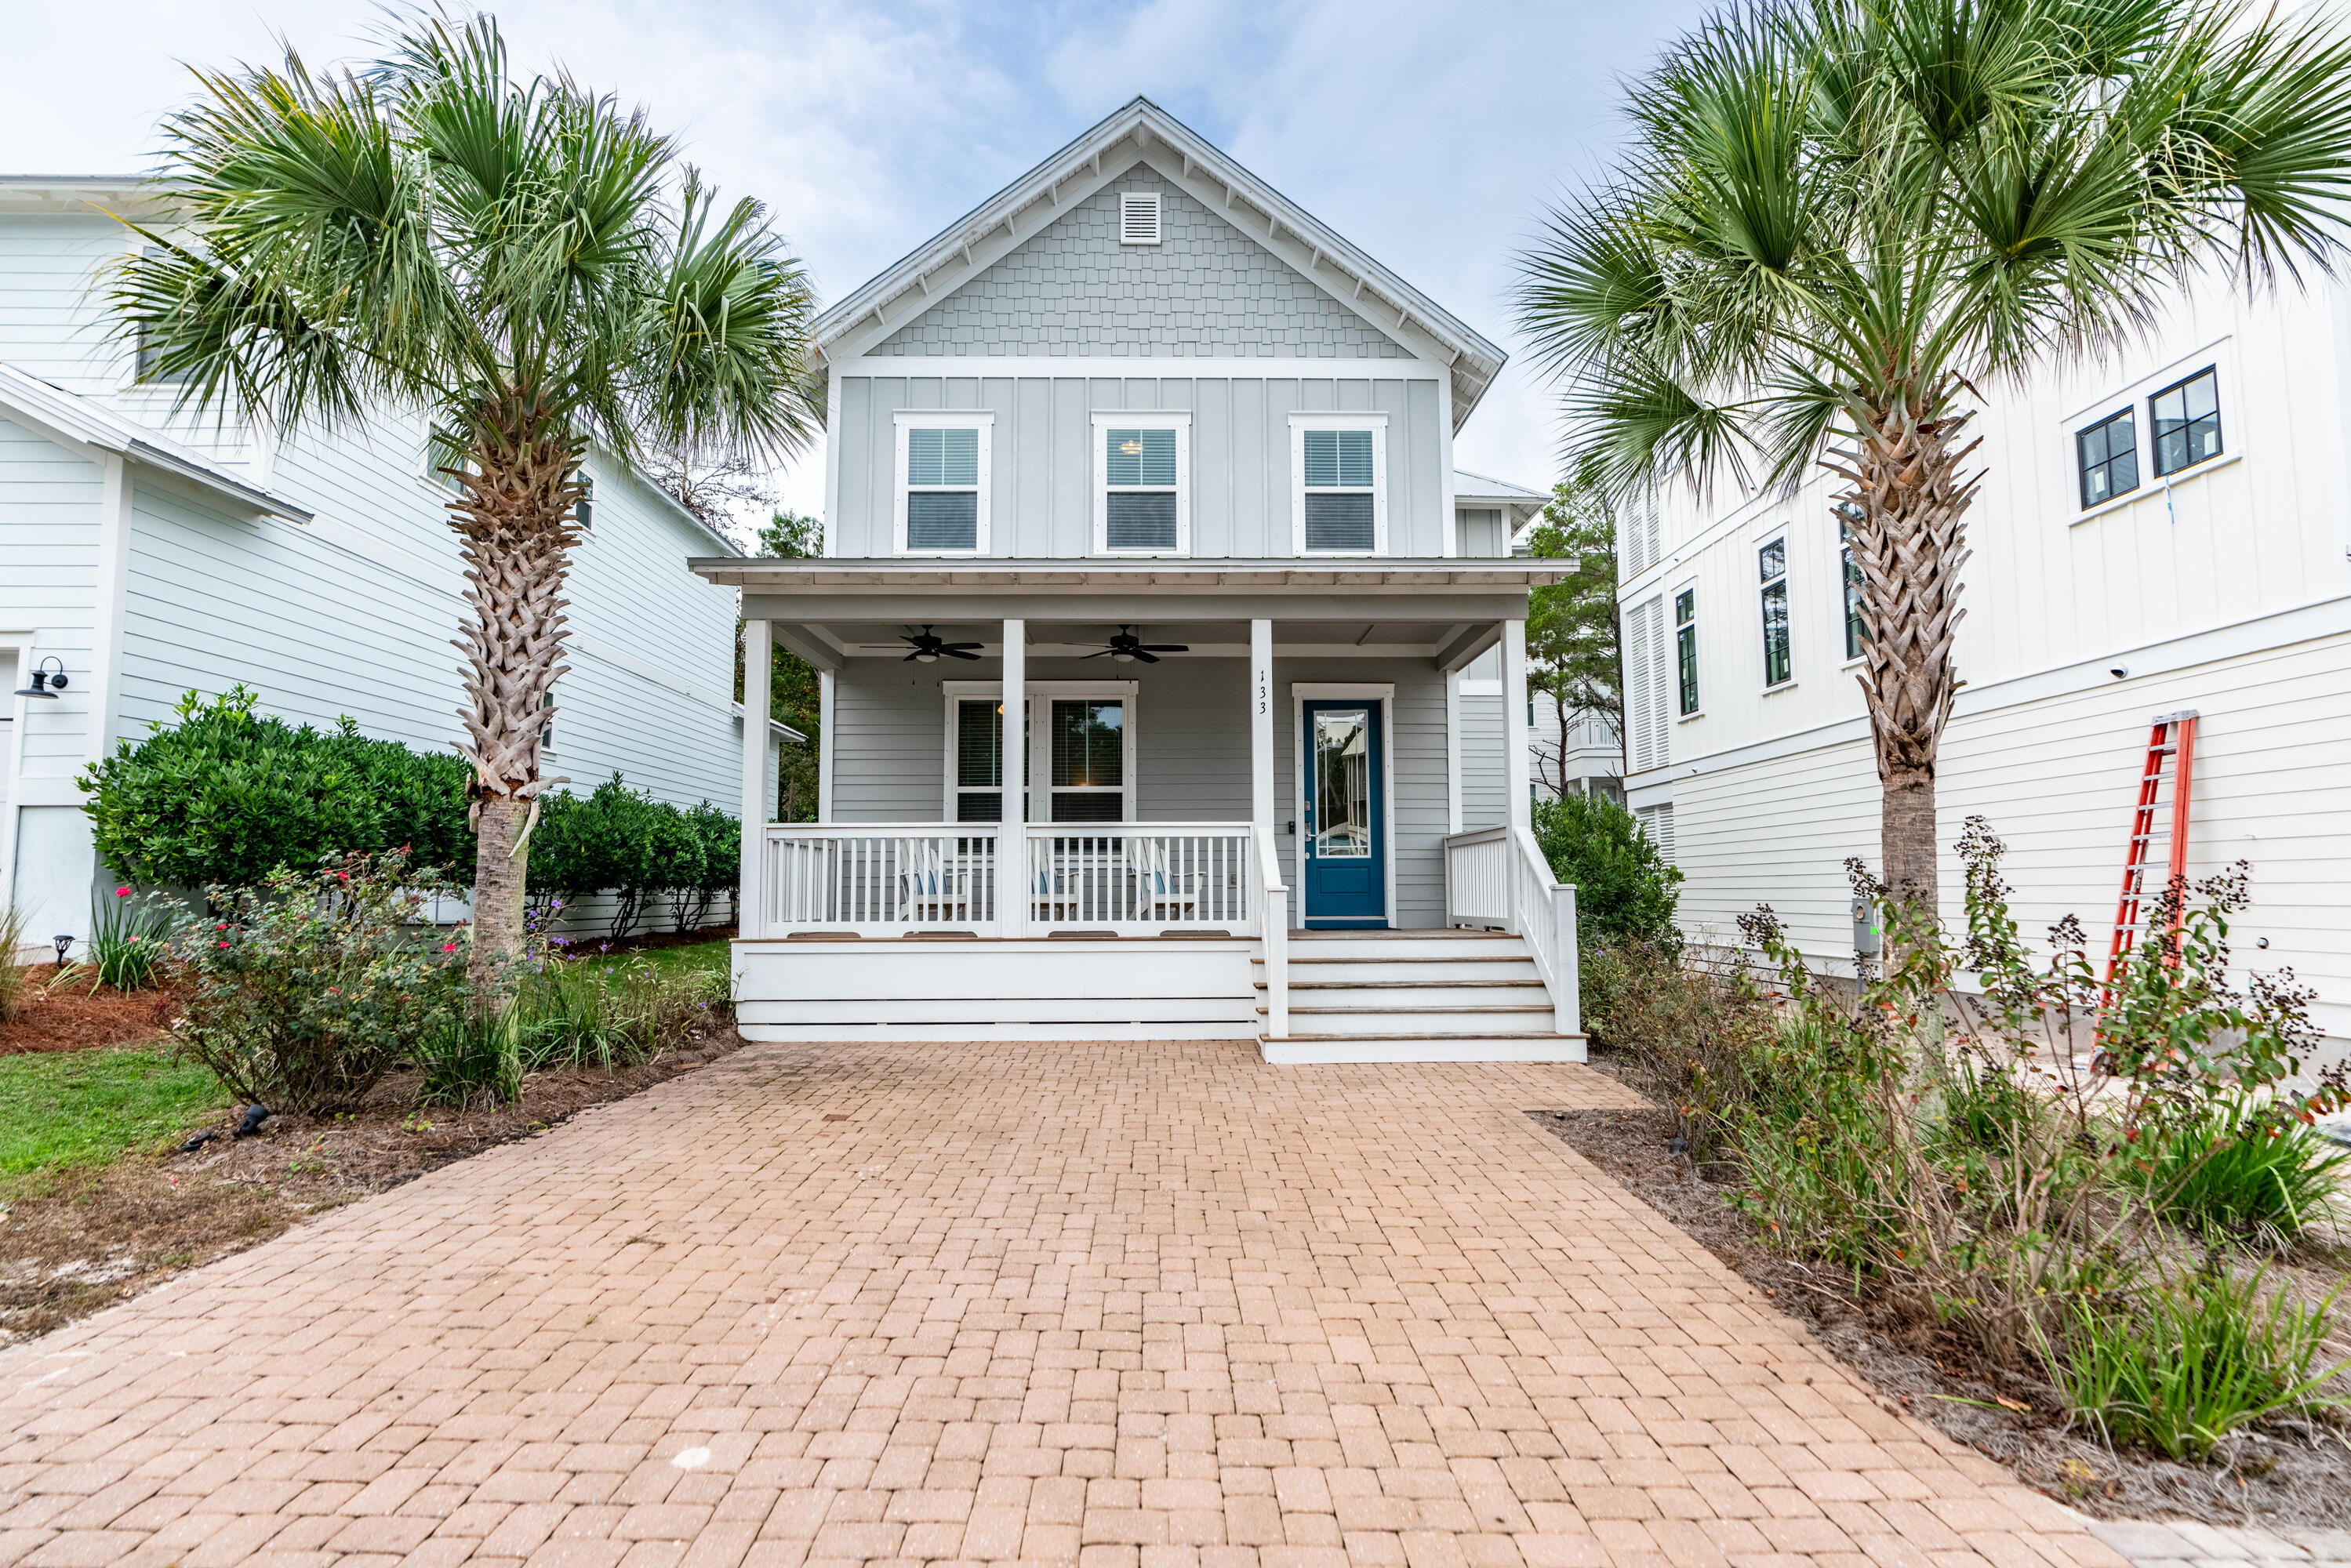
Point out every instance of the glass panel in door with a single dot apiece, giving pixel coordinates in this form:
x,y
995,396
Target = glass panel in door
x,y
1345,875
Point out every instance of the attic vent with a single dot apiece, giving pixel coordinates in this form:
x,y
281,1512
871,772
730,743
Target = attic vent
x,y
1138,217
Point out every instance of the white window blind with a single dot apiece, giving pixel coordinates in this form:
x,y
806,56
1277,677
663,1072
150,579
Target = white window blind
x,y
1138,217
1645,673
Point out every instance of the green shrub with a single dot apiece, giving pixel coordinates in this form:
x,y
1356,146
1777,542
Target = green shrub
x,y
1687,1032
622,841
2197,1356
1625,891
721,837
608,1013
2242,1167
302,995
227,797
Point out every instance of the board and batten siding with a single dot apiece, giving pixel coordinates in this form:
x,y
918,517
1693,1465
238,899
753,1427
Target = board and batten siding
x,y
1042,496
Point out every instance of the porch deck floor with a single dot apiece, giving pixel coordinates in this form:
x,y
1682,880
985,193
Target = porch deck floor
x,y
1144,1306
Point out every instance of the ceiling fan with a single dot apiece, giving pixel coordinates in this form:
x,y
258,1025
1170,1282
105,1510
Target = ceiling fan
x,y
1126,648
930,647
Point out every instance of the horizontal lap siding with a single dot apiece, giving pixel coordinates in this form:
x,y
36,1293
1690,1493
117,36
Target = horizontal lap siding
x,y
1041,499
2057,778
50,506
47,307
1484,798
354,614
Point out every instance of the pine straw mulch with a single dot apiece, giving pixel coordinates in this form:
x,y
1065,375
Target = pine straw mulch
x,y
76,1016
102,1236
2283,1473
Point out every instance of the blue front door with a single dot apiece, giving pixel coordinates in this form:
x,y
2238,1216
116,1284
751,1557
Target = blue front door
x,y
1344,880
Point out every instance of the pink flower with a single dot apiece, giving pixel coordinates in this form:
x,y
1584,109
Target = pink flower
x,y
223,943
122,892
448,946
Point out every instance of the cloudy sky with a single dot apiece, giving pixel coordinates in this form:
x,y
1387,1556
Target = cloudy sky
x,y
1432,134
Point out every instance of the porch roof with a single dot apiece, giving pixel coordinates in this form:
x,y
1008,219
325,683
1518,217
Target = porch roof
x,y
919,577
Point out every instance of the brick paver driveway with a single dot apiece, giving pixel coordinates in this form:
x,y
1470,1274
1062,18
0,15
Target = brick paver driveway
x,y
1124,1306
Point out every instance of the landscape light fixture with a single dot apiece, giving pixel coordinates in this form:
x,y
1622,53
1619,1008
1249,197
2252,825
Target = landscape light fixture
x,y
62,941
46,684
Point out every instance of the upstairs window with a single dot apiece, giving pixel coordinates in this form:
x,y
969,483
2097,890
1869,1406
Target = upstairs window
x,y
1142,484
146,355
2187,418
1778,660
1341,505
1138,217
1685,646
584,513
943,472
2109,451
1856,627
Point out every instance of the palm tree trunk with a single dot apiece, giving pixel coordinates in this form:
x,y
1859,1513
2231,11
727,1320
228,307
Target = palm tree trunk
x,y
1905,509
515,524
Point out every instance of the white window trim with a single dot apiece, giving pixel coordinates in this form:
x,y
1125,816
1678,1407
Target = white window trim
x,y
979,418
1180,422
1038,774
1376,421
1301,693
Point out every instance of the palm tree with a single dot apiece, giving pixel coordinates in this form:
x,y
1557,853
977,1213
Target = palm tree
x,y
1841,224
518,260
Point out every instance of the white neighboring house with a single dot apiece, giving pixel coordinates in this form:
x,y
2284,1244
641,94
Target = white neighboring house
x,y
142,556
2169,531
1147,593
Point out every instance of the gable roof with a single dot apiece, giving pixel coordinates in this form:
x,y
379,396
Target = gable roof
x,y
94,424
1139,131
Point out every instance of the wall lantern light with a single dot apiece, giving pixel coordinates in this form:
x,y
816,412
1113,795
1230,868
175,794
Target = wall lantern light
x,y
46,684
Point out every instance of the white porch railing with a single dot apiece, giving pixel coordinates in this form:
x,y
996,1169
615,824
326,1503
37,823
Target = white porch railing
x,y
1497,877
1275,925
1137,879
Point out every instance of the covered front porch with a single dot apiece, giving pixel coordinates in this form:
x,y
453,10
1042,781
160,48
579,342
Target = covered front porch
x,y
1203,759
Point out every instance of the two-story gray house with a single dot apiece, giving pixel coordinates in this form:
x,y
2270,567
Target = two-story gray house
x,y
1148,591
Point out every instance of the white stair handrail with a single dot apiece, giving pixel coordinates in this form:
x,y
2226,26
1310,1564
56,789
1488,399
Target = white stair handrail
x,y
1274,921
1543,913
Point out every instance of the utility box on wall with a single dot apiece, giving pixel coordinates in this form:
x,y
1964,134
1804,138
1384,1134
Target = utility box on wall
x,y
1867,939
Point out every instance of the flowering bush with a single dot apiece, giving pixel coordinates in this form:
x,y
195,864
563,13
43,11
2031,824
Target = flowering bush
x,y
303,993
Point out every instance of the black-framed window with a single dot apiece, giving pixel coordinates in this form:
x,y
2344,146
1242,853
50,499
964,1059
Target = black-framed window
x,y
2187,419
2108,455
979,759
1685,646
1779,659
1087,760
1856,626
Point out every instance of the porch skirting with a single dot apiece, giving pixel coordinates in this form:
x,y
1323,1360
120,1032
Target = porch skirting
x,y
1035,989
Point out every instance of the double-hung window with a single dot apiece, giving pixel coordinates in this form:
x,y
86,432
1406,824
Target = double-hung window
x,y
1856,625
942,482
1142,500
1686,647
2187,419
1340,464
978,738
2109,454
1778,659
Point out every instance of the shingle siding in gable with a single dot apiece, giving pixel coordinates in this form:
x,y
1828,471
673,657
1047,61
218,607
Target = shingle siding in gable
x,y
1207,289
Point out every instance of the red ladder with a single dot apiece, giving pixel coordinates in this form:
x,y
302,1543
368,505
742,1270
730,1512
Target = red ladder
x,y
2160,816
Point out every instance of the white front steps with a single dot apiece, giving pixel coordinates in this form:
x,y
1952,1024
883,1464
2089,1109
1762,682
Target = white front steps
x,y
1414,995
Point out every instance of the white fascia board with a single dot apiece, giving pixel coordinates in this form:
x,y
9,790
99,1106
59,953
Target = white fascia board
x,y
64,414
1138,367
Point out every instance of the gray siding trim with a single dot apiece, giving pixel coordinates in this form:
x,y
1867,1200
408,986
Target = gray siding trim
x,y
1485,798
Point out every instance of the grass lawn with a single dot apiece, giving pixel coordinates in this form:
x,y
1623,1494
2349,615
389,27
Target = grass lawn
x,y
69,1108
678,961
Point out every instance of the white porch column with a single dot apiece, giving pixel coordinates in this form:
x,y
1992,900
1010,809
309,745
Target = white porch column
x,y
1514,728
758,805
824,745
1261,723
1012,827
